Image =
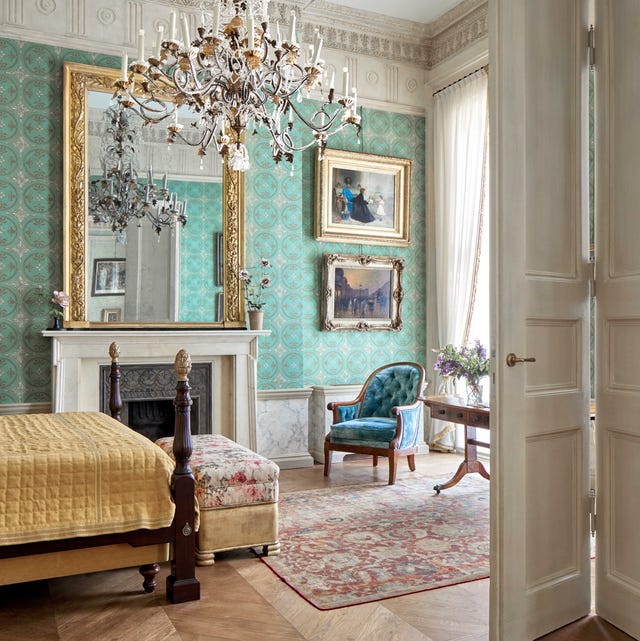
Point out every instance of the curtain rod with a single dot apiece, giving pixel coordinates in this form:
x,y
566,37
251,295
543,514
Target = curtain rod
x,y
485,67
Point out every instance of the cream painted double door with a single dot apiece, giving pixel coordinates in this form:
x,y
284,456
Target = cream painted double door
x,y
540,574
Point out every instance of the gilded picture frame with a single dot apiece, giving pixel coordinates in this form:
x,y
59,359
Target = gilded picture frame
x,y
361,293
78,81
362,198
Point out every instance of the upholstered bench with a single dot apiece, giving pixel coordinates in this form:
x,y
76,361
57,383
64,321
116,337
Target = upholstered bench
x,y
237,492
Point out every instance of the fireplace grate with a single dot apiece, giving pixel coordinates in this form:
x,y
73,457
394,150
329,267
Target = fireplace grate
x,y
148,391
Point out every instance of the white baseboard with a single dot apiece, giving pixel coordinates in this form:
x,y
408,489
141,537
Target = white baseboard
x,y
293,461
24,408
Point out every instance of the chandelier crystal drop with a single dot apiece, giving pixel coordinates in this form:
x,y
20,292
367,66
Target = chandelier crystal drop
x,y
119,197
238,72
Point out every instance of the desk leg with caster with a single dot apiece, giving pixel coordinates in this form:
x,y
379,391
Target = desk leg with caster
x,y
470,463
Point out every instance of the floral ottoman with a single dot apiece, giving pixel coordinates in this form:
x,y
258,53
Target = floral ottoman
x,y
237,492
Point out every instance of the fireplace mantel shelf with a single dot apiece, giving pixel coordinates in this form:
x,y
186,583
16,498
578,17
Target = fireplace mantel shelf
x,y
231,334
77,355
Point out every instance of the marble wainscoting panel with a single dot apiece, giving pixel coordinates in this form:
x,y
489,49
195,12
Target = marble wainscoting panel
x,y
320,418
283,426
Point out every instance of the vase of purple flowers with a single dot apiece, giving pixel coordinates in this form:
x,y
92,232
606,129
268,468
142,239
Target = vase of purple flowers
x,y
469,362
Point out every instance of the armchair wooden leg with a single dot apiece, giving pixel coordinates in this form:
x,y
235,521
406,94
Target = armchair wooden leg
x,y
393,466
327,459
375,460
411,459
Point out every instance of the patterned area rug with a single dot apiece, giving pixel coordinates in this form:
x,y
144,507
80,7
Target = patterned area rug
x,y
349,545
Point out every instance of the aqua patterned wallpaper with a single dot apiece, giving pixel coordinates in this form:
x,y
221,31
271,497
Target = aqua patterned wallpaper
x,y
279,226
280,215
30,210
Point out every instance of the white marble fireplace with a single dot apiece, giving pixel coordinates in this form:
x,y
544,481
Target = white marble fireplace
x,y
233,355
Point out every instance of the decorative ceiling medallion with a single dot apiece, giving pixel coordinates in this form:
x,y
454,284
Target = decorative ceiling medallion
x,y
47,7
412,85
106,16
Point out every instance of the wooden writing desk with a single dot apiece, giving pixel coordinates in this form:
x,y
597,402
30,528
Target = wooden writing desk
x,y
451,408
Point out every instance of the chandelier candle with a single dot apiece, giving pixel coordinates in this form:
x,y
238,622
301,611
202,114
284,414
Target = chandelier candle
x,y
140,45
172,25
233,75
292,32
159,41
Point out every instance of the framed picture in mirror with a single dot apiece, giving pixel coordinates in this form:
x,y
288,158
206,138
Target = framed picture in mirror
x,y
109,276
111,314
361,292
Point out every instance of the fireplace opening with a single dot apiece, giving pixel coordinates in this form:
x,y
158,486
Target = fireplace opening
x,y
155,418
147,393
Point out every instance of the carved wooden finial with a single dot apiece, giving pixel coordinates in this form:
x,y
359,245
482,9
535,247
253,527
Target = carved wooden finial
x,y
114,351
182,365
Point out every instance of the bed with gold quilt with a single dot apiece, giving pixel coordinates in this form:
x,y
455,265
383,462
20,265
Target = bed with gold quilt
x,y
81,492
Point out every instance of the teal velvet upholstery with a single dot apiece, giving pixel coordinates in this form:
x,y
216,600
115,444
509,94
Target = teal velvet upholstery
x,y
389,387
385,419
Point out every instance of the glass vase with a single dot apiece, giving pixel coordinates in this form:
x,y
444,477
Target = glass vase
x,y
474,392
447,386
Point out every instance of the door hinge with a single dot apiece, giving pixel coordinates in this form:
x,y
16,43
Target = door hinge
x,y
592,511
591,44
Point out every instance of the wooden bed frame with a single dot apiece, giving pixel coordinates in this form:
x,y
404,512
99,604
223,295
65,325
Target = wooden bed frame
x,y
182,584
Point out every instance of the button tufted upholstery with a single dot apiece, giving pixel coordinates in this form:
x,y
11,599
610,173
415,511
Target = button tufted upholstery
x,y
385,419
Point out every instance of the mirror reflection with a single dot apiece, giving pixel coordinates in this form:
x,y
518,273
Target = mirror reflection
x,y
155,222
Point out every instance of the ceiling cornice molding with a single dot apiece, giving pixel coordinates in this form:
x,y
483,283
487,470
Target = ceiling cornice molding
x,y
458,13
111,25
471,27
385,37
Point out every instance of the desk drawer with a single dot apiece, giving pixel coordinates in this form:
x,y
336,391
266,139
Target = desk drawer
x,y
477,419
449,414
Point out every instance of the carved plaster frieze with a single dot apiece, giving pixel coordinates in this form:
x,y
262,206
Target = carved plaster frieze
x,y
372,34
459,35
360,33
453,16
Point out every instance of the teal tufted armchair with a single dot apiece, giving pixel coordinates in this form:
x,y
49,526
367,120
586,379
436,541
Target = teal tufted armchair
x,y
384,420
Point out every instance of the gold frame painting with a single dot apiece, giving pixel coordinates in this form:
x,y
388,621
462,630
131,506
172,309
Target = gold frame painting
x,y
361,293
362,198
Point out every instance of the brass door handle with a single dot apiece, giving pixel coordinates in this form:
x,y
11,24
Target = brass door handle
x,y
512,359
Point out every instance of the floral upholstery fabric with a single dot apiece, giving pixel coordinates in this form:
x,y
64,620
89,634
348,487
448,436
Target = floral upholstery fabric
x,y
228,474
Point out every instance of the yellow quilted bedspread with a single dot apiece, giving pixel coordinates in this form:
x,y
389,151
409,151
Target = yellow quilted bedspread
x,y
79,474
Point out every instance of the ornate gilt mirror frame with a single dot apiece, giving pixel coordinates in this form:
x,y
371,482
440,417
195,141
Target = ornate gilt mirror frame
x,y
79,79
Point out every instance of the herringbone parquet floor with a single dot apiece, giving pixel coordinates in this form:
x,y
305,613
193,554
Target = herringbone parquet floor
x,y
242,600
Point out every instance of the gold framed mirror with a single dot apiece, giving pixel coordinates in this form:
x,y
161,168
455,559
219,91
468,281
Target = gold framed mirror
x,y
94,303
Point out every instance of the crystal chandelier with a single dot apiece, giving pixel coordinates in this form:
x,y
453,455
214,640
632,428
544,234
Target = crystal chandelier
x,y
237,72
119,196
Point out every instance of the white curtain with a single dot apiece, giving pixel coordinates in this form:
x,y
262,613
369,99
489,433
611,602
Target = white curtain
x,y
460,165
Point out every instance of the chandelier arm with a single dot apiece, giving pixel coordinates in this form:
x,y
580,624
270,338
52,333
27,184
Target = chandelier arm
x,y
329,118
228,75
